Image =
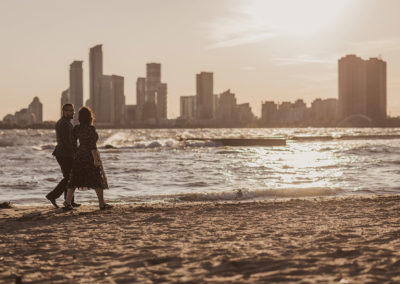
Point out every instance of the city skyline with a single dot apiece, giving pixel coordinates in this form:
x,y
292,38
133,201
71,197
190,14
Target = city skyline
x,y
362,100
229,38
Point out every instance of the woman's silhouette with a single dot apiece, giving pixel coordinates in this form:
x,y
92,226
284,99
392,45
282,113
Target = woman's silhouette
x,y
87,170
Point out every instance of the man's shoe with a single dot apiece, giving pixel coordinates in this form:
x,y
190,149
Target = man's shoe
x,y
53,201
75,204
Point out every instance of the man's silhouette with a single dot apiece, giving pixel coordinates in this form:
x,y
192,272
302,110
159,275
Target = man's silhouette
x,y
64,152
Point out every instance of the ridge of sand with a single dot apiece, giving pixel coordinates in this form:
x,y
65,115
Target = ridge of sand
x,y
346,240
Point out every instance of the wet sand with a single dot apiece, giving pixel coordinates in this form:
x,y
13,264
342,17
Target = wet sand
x,y
345,240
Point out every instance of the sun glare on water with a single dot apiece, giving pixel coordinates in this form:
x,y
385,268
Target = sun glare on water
x,y
294,17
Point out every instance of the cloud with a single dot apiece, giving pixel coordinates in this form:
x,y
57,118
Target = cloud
x,y
304,59
372,47
228,32
241,39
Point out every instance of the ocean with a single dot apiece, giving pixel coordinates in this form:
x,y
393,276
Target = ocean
x,y
151,165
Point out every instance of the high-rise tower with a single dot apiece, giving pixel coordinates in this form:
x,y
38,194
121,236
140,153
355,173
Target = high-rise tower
x,y
76,86
95,77
362,88
204,95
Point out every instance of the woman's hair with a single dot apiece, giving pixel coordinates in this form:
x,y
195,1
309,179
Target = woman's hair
x,y
86,116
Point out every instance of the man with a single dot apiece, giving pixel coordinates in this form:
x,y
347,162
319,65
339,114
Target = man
x,y
64,153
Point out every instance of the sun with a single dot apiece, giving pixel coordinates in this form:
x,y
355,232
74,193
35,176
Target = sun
x,y
294,17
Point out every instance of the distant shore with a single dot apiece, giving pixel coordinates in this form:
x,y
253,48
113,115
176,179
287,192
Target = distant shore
x,y
346,240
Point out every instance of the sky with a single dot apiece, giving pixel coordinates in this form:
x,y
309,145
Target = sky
x,y
261,50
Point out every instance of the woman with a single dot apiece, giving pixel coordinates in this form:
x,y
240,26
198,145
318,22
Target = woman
x,y
87,170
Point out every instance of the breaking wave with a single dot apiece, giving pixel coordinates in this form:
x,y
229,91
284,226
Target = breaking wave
x,y
246,194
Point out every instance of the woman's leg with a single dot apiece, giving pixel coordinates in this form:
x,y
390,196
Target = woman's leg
x,y
100,196
70,194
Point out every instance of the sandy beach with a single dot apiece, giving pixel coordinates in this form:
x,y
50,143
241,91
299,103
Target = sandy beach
x,y
342,240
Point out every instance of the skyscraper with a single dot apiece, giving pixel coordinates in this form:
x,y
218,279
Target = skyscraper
x,y
188,107
376,90
227,107
362,88
269,112
76,86
140,97
64,99
95,77
204,95
140,91
36,108
105,110
162,101
352,86
119,99
153,80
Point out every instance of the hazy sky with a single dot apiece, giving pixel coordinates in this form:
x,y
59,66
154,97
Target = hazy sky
x,y
261,50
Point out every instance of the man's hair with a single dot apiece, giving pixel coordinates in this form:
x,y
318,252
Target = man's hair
x,y
64,107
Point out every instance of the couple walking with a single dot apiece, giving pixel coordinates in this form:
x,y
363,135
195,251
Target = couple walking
x,y
81,166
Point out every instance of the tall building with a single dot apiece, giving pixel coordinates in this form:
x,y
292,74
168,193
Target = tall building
x,y
324,111
215,105
76,86
376,90
152,106
269,112
227,107
130,114
352,86
188,107
24,117
140,91
362,87
244,114
105,111
162,101
153,80
95,77
36,108
204,95
119,99
64,99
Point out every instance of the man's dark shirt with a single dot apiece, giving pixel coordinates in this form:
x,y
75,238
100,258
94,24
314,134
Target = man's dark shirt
x,y
66,145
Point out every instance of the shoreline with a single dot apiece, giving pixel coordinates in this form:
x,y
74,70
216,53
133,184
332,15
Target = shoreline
x,y
331,239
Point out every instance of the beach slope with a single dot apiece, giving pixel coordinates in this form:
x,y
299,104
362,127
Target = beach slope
x,y
347,240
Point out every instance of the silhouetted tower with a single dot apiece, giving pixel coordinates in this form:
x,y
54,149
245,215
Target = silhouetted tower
x,y
95,77
188,107
362,87
153,80
352,86
376,89
76,86
119,99
64,99
140,91
162,101
140,97
36,108
204,95
105,111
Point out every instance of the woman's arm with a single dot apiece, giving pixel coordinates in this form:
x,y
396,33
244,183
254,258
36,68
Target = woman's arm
x,y
95,153
96,158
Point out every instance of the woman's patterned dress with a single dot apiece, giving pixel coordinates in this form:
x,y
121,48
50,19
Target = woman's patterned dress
x,y
84,173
